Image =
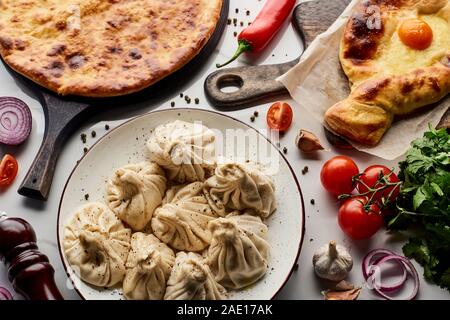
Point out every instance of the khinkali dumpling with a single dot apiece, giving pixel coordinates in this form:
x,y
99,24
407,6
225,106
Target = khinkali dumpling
x,y
182,221
185,150
96,244
191,279
239,187
135,191
149,265
239,252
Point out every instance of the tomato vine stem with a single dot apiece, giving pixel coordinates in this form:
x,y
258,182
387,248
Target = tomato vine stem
x,y
383,183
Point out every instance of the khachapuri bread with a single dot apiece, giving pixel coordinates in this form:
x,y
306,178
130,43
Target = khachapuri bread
x,y
103,48
396,54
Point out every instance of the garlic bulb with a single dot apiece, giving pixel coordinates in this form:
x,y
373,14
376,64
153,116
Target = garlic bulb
x,y
332,262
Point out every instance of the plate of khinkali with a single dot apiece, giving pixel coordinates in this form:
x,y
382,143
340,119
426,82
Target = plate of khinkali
x,y
183,204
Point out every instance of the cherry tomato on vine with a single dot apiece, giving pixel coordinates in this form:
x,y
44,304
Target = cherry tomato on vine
x,y
337,173
279,116
359,220
8,170
373,178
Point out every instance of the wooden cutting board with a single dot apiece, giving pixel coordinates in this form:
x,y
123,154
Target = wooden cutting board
x,y
257,83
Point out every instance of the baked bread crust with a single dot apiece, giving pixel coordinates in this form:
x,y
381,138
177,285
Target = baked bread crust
x,y
381,91
100,48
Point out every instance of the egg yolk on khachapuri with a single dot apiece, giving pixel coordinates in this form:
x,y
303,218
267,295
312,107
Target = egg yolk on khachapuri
x,y
416,34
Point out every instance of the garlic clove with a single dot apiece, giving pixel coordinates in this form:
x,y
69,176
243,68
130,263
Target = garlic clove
x,y
308,142
343,286
351,294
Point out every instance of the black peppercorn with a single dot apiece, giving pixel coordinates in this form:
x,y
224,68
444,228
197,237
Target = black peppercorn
x,y
83,137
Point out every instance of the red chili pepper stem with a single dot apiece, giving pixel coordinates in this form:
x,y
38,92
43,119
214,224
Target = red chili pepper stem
x,y
244,46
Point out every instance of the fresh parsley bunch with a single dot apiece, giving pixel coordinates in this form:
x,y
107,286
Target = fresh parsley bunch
x,y
424,204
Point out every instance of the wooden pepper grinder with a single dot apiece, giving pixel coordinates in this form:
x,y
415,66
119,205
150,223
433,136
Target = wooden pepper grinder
x,y
29,270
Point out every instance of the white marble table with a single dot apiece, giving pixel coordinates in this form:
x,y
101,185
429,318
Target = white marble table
x,y
321,218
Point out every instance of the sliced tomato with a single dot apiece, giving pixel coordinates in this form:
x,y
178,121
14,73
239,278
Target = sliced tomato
x,y
279,116
8,170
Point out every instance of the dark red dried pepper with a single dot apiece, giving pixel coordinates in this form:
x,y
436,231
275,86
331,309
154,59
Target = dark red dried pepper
x,y
258,35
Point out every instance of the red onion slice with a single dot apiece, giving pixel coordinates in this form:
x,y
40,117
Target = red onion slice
x,y
408,264
15,121
368,273
5,294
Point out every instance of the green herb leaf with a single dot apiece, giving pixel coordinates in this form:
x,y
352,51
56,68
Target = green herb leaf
x,y
437,189
419,197
424,204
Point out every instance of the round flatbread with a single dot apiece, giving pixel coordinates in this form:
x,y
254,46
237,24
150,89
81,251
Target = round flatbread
x,y
99,48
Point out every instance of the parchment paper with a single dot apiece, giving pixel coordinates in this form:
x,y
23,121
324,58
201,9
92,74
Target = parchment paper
x,y
317,82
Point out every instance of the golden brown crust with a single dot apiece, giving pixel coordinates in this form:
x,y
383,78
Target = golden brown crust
x,y
371,25
387,82
113,48
368,112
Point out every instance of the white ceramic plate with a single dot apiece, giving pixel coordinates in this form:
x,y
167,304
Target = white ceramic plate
x,y
126,144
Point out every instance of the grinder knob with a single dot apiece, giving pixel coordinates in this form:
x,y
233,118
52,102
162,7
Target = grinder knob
x,y
29,270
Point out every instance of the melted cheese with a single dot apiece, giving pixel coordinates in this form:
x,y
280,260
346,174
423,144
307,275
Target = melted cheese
x,y
397,58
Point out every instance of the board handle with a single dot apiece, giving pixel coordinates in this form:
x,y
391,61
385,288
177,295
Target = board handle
x,y
253,82
61,119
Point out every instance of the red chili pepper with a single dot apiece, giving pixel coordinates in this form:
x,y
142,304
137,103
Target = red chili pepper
x,y
258,35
